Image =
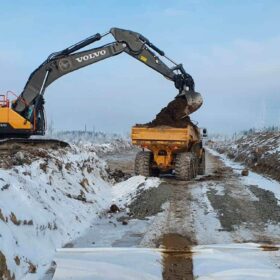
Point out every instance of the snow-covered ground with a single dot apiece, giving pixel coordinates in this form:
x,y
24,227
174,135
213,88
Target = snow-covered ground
x,y
260,151
99,142
61,199
252,178
51,200
219,262
208,220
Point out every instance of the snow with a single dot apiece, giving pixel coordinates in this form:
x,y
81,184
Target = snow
x,y
47,200
228,262
253,178
54,200
125,191
107,230
235,262
99,142
205,223
107,263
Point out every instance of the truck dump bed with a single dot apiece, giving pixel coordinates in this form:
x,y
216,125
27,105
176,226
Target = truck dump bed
x,y
167,148
164,135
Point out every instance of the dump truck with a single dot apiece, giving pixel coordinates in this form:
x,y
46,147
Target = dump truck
x,y
169,150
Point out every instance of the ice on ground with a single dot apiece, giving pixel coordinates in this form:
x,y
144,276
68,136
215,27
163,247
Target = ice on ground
x,y
236,262
225,262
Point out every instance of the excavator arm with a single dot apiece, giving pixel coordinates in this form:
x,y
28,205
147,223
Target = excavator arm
x,y
69,60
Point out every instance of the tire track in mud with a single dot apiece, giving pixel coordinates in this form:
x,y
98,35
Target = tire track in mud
x,y
172,231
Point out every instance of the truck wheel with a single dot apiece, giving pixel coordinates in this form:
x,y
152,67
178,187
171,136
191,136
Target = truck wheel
x,y
143,162
202,165
183,169
194,166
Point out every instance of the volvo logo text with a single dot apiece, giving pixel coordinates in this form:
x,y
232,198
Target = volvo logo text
x,y
91,56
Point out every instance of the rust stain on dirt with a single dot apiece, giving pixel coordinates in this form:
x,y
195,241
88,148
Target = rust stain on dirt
x,y
177,261
267,247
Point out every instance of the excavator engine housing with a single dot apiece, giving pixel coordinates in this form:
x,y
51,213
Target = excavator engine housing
x,y
11,123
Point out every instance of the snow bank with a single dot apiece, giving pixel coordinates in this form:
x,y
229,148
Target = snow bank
x,y
48,198
124,192
258,150
46,204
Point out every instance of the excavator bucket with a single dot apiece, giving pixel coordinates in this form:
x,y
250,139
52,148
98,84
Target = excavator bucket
x,y
194,100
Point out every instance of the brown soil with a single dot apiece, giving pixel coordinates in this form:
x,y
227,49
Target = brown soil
x,y
172,115
4,271
177,260
258,151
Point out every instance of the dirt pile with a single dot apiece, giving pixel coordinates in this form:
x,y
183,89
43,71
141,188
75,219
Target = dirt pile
x,y
172,115
257,150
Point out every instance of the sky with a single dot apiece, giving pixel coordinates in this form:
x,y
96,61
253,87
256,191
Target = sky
x,y
231,48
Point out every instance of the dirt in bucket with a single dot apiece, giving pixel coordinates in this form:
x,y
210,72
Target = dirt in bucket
x,y
172,115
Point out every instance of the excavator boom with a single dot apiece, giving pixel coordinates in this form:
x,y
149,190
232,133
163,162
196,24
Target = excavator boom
x,y
29,106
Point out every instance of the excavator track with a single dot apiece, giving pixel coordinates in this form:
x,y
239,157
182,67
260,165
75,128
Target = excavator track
x,y
8,146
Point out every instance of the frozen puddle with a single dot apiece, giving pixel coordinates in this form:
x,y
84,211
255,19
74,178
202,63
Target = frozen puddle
x,y
227,262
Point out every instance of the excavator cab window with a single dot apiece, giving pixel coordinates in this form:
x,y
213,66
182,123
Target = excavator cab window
x,y
30,112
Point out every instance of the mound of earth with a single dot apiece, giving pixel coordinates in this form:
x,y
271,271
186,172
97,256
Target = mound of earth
x,y
172,115
259,151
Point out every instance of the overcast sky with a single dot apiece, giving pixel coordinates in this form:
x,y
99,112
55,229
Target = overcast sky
x,y
231,48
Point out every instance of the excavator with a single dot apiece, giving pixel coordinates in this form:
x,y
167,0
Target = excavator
x,y
25,116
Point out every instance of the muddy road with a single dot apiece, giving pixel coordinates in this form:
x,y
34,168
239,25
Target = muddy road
x,y
221,207
216,208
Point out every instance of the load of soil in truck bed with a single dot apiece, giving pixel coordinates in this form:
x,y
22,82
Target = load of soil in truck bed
x,y
171,115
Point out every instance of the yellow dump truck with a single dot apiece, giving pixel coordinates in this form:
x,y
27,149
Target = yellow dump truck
x,y
169,150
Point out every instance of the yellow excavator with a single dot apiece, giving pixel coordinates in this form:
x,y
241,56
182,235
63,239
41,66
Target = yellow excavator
x,y
24,116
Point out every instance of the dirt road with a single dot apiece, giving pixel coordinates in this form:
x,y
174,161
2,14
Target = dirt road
x,y
218,208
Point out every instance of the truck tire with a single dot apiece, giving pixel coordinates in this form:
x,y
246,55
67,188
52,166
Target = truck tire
x,y
194,165
202,165
183,168
143,163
